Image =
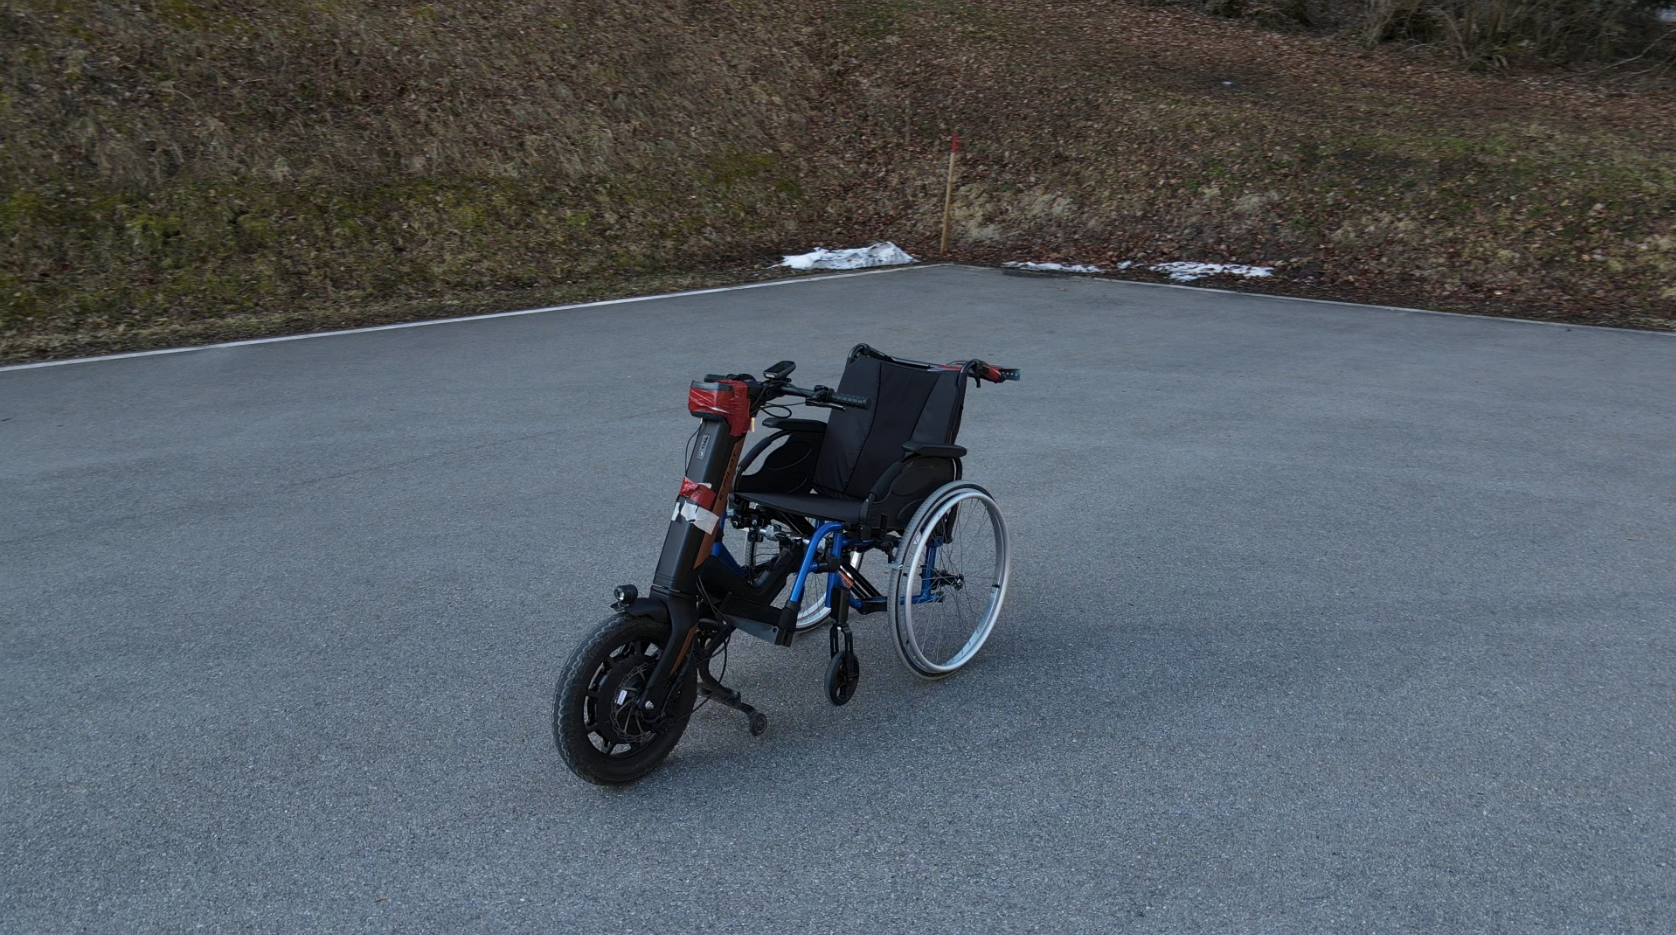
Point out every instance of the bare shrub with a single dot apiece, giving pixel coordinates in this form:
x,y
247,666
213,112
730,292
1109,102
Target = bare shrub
x,y
1498,31
1480,32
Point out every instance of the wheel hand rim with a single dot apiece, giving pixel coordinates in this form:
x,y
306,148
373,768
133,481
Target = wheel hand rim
x,y
950,588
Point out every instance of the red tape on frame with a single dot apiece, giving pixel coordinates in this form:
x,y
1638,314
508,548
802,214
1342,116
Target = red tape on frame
x,y
729,399
698,493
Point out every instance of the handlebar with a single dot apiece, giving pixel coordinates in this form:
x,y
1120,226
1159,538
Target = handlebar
x,y
825,396
776,382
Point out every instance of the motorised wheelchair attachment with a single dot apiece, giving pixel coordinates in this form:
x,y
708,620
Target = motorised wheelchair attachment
x,y
812,500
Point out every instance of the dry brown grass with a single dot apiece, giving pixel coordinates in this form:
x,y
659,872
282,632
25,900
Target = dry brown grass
x,y
186,160
1164,134
195,169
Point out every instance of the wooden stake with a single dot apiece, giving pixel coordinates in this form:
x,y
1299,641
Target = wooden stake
x,y
948,194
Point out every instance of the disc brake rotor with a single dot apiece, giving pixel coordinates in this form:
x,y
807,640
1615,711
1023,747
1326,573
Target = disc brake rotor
x,y
619,700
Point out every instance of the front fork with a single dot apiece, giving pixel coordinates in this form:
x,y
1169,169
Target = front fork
x,y
683,630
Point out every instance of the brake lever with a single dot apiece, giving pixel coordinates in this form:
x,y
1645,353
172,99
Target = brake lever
x,y
821,398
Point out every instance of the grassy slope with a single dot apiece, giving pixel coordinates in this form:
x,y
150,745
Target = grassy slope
x,y
199,170
1162,134
182,161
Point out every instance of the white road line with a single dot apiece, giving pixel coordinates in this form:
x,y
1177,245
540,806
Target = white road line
x,y
827,277
802,279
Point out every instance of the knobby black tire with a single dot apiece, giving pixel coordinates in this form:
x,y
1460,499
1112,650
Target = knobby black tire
x,y
571,731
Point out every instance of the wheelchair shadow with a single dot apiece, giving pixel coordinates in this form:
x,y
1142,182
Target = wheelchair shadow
x,y
1072,680
788,684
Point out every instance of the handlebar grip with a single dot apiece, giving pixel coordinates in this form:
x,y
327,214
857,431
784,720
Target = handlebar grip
x,y
826,396
985,370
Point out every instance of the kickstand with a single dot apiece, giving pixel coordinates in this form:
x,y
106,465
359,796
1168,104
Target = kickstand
x,y
710,688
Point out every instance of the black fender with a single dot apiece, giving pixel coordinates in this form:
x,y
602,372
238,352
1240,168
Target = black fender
x,y
651,606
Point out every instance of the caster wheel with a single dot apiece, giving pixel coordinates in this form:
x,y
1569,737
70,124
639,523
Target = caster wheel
x,y
842,676
759,724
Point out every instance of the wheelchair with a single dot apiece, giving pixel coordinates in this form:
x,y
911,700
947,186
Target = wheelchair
x,y
811,501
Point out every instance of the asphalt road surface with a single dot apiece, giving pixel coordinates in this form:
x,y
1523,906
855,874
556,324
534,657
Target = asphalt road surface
x,y
1325,619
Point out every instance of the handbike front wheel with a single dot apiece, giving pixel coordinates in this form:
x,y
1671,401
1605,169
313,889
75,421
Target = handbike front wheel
x,y
601,733
949,581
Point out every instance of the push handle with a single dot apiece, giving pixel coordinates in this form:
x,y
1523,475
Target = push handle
x,y
984,370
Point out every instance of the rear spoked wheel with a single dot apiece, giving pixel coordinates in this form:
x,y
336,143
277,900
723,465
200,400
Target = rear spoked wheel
x,y
601,731
949,581
814,611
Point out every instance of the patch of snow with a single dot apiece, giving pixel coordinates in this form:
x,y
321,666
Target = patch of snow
x,y
1051,267
884,253
1668,16
1187,272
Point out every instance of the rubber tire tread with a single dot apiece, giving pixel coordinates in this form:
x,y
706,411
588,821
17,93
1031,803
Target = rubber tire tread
x,y
568,733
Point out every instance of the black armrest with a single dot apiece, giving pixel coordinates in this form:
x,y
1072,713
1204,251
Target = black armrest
x,y
929,450
784,424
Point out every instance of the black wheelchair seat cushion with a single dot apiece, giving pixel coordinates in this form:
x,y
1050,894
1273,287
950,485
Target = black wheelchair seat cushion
x,y
844,510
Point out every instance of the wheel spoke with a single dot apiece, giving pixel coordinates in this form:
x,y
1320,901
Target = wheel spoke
x,y
600,739
944,629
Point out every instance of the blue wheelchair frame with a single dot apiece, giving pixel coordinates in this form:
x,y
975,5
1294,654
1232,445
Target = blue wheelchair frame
x,y
836,531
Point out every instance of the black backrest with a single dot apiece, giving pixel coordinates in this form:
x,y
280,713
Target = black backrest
x,y
911,402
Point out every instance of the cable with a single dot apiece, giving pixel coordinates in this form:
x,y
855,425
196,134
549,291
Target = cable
x,y
687,456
